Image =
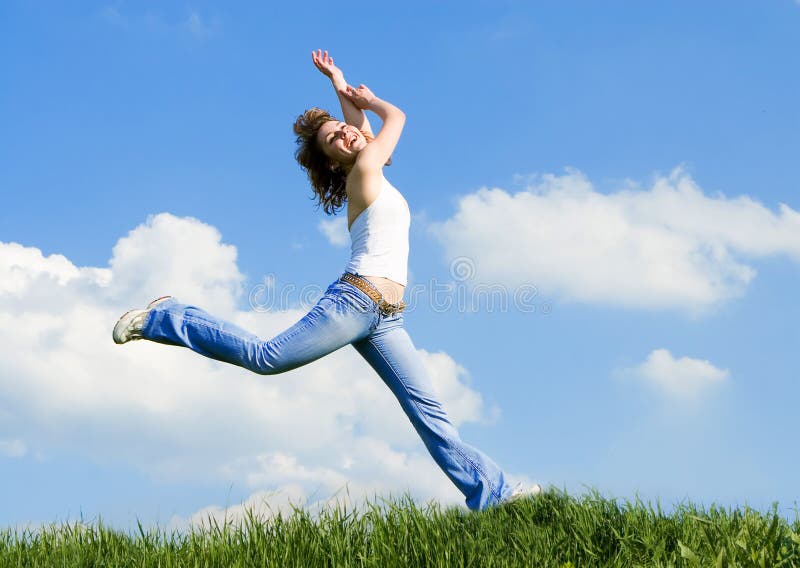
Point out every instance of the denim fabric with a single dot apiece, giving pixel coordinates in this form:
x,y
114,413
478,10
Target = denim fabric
x,y
343,316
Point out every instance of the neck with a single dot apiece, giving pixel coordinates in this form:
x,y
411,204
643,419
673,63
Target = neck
x,y
346,168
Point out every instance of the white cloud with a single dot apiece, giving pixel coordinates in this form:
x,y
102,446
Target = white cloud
x,y
371,470
261,504
684,378
170,254
66,387
671,246
335,230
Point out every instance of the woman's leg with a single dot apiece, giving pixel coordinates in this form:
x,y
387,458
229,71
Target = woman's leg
x,y
391,353
344,314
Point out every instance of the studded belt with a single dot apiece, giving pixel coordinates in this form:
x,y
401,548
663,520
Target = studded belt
x,y
369,289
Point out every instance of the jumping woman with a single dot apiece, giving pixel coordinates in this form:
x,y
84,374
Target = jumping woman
x,y
364,306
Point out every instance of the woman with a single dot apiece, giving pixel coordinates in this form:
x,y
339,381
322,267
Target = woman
x,y
364,306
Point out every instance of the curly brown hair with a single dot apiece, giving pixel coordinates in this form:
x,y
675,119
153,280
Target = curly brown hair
x,y
327,182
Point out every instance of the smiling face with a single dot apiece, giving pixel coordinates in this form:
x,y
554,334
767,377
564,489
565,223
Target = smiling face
x,y
340,141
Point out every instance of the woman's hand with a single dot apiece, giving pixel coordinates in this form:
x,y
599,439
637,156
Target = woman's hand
x,y
324,63
352,114
362,97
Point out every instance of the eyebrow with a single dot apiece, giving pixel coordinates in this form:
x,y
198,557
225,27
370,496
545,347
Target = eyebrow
x,y
328,137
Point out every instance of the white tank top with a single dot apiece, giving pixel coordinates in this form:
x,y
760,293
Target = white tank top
x,y
379,237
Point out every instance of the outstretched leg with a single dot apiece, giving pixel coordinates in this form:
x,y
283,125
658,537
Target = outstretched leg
x,y
391,353
340,317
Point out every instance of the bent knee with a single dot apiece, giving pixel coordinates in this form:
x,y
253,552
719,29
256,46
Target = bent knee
x,y
267,370
271,367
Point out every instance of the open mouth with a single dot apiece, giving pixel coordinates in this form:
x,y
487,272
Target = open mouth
x,y
349,138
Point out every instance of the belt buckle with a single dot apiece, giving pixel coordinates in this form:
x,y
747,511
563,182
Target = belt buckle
x,y
390,309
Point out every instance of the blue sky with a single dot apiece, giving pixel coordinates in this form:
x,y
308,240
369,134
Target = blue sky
x,y
635,162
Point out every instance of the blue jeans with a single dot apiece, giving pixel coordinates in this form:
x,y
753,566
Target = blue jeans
x,y
343,316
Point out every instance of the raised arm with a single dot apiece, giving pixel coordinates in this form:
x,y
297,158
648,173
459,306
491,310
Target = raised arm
x,y
352,114
377,152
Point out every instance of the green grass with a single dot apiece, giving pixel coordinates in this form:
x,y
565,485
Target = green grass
x,y
554,529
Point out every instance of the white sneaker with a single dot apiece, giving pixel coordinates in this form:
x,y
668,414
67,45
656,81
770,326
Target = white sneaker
x,y
129,326
524,492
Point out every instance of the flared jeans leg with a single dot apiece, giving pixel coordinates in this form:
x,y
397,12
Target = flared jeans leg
x,y
344,315
390,351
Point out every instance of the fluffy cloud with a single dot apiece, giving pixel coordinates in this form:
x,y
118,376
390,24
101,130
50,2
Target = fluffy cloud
x,y
671,246
684,378
261,504
314,489
335,230
181,254
66,387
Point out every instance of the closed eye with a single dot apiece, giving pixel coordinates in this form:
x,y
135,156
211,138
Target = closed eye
x,y
332,135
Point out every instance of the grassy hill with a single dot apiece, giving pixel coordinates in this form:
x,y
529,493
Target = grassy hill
x,y
554,529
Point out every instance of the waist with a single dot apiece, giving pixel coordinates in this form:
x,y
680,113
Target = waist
x,y
375,293
392,291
